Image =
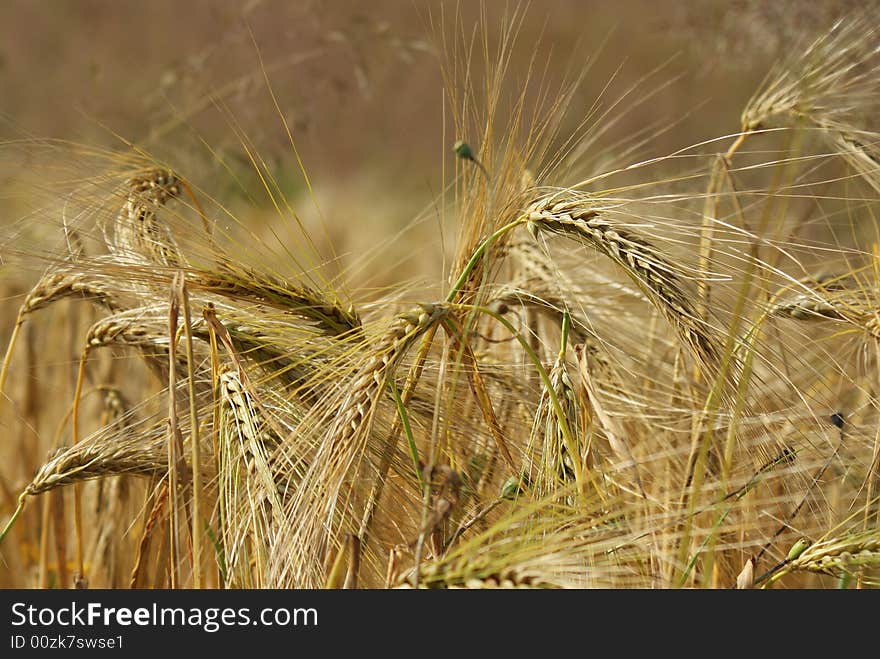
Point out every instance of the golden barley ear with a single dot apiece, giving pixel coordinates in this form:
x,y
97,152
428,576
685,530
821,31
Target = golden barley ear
x,y
141,235
576,216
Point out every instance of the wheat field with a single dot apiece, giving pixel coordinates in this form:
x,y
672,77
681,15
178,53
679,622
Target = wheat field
x,y
587,360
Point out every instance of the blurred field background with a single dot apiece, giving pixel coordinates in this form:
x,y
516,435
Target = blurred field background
x,y
360,87
359,84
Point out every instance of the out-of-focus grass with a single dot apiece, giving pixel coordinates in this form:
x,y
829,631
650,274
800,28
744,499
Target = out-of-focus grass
x,y
359,87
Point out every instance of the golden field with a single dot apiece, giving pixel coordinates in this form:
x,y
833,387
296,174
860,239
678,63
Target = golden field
x,y
555,296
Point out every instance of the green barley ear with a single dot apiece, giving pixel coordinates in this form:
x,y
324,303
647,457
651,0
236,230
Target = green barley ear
x,y
798,548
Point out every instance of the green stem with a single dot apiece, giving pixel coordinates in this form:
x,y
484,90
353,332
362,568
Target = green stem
x,y
14,517
407,429
478,254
